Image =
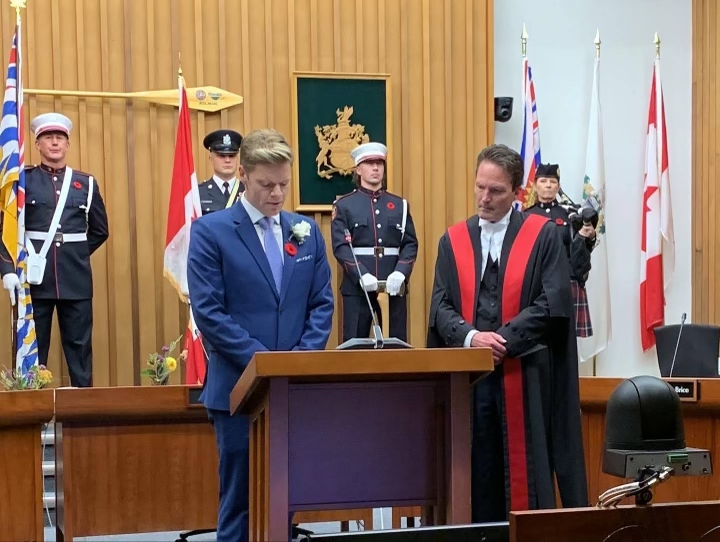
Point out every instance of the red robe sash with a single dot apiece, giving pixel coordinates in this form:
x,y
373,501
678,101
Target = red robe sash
x,y
513,386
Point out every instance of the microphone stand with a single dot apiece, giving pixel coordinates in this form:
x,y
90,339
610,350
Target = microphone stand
x,y
377,330
378,341
677,344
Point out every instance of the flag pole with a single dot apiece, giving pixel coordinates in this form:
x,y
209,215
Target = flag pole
x,y
656,41
597,43
523,41
18,5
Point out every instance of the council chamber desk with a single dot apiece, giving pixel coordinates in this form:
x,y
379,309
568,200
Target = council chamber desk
x,y
702,430
133,460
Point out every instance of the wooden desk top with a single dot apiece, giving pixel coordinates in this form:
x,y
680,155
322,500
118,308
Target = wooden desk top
x,y
26,407
595,391
132,403
348,365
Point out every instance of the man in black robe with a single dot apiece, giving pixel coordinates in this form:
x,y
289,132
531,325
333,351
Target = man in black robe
x,y
502,282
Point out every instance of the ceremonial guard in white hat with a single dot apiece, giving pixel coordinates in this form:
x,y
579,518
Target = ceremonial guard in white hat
x,y
65,222
224,188
383,239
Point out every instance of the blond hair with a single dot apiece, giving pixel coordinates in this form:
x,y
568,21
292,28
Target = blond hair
x,y
264,147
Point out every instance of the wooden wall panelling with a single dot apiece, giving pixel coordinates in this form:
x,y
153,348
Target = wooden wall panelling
x,y
439,55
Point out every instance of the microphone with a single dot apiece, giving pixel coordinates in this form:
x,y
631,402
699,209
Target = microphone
x,y
377,331
682,323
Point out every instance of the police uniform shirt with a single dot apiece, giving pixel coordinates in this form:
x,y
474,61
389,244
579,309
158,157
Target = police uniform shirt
x,y
212,197
374,219
68,274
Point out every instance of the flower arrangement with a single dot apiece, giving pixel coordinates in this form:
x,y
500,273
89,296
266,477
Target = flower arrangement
x,y
35,378
160,365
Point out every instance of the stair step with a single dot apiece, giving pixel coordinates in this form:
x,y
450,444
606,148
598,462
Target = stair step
x,y
49,500
48,468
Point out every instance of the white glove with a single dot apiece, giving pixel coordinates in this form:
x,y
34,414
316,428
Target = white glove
x,y
369,282
394,283
11,283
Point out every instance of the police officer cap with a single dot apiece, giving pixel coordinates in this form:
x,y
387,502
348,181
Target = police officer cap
x,y
548,170
50,122
369,151
223,142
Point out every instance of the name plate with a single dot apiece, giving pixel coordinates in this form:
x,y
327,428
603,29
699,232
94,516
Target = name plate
x,y
688,389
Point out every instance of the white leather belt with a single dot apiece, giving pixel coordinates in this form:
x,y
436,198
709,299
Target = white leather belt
x,y
58,237
376,251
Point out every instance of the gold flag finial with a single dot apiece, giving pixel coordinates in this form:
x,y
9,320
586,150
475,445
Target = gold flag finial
x,y
523,40
597,43
657,45
18,5
181,79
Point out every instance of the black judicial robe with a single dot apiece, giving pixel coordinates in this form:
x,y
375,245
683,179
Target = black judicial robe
x,y
541,404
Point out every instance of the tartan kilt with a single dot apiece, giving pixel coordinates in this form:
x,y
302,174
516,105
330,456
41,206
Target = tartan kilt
x,y
583,325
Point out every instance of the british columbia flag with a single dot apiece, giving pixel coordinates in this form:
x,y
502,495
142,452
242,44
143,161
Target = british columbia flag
x,y
12,196
530,148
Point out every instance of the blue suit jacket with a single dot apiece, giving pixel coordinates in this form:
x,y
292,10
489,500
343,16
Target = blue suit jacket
x,y
235,302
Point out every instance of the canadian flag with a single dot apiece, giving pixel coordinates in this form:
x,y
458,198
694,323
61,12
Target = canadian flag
x,y
184,206
657,252
195,361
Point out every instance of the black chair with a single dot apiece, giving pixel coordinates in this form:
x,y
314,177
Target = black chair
x,y
697,352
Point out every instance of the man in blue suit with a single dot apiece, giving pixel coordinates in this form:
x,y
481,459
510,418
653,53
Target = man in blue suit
x,y
259,280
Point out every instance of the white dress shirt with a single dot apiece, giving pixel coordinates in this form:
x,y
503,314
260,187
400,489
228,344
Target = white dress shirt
x,y
492,235
219,182
256,216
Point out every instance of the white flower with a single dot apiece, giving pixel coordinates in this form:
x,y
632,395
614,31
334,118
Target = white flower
x,y
301,231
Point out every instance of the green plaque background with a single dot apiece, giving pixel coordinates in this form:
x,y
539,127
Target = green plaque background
x,y
317,102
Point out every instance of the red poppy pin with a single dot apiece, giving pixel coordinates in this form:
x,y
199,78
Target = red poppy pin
x,y
559,221
290,249
77,184
390,205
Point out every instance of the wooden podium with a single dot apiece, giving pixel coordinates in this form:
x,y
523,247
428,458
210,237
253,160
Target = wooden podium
x,y
358,429
22,414
681,522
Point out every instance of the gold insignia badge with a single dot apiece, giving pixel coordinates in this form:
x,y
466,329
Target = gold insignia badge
x,y
336,141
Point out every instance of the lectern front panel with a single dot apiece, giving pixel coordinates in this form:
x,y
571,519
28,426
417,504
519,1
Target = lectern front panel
x,y
363,443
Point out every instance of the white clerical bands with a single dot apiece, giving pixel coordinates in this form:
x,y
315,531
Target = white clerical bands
x,y
373,251
58,237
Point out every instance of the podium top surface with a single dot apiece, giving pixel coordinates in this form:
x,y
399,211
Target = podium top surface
x,y
26,407
166,404
355,365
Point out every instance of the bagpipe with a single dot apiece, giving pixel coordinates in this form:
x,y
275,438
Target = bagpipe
x,y
580,215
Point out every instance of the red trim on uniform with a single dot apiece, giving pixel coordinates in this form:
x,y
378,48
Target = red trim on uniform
x,y
513,386
465,263
372,213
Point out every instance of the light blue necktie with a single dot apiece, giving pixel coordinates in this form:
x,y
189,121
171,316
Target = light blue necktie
x,y
272,251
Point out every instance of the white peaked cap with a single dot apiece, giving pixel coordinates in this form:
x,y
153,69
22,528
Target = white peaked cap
x,y
50,122
369,151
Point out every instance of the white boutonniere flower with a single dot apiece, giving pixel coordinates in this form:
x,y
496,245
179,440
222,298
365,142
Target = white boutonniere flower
x,y
300,231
